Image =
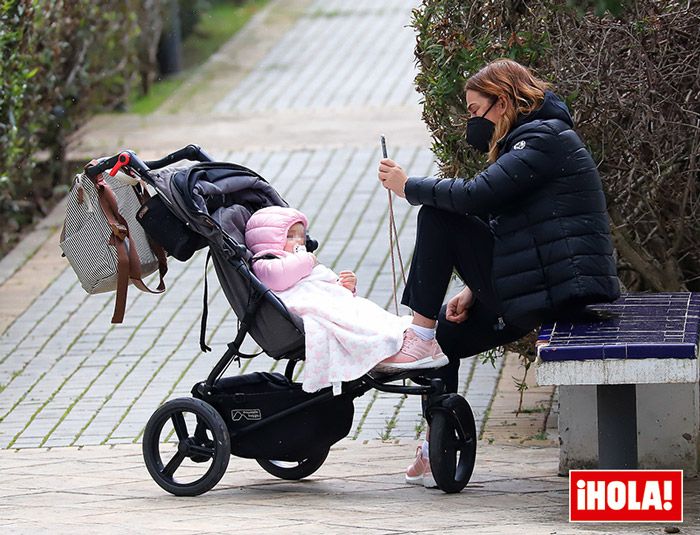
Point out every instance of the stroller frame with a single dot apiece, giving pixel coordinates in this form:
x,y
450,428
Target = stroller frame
x,y
452,432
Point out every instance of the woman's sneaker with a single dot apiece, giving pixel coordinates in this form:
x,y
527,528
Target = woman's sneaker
x,y
415,354
419,472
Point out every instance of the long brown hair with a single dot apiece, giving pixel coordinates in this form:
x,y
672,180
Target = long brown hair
x,y
522,91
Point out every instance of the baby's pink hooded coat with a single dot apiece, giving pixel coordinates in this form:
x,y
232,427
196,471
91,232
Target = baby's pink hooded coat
x,y
266,234
344,336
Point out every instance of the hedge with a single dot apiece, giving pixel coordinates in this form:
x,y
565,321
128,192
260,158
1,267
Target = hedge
x,y
60,60
632,80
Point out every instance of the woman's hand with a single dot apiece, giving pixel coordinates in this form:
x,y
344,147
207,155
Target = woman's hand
x,y
458,307
392,177
348,279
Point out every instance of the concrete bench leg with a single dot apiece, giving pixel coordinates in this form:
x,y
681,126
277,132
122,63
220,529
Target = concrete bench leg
x,y
668,427
617,426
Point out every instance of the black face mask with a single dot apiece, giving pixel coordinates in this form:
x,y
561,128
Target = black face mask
x,y
480,131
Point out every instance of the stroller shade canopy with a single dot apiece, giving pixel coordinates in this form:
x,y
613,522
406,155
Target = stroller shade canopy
x,y
228,193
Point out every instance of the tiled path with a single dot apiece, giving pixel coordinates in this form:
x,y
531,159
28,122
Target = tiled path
x,y
341,54
69,377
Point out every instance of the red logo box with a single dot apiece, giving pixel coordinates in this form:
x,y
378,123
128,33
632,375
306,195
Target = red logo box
x,y
626,496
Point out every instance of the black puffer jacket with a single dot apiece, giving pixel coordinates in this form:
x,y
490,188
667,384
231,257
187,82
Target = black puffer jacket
x,y
545,204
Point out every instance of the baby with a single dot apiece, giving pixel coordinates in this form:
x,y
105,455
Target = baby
x,y
264,233
346,335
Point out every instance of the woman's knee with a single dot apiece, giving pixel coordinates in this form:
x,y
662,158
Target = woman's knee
x,y
448,224
427,215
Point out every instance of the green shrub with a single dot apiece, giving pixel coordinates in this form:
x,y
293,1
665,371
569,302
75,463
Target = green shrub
x,y
64,60
632,82
61,60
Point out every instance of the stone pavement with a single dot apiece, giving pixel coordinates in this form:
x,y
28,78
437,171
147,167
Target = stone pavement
x,y
360,489
68,377
300,95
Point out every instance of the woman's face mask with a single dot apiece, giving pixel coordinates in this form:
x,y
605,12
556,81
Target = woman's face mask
x,y
480,131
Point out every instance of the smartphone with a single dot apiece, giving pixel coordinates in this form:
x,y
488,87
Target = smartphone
x,y
382,140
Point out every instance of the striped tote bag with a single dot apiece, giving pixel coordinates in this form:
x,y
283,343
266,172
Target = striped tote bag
x,y
103,242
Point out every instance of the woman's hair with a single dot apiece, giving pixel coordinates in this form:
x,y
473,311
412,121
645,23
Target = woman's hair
x,y
522,91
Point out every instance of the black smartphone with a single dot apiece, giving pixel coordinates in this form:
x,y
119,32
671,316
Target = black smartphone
x,y
382,140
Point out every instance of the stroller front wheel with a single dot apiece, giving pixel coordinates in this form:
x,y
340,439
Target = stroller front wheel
x,y
186,447
294,470
453,445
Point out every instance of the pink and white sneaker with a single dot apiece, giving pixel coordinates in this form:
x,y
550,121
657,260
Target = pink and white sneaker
x,y
415,354
419,472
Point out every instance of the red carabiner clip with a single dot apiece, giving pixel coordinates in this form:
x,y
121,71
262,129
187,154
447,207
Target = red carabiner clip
x,y
123,160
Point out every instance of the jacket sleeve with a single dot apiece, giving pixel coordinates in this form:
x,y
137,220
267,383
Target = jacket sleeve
x,y
283,272
528,165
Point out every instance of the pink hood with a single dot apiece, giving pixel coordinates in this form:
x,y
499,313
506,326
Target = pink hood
x,y
267,228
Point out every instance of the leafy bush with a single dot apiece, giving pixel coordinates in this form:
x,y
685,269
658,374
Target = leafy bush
x,y
633,85
60,61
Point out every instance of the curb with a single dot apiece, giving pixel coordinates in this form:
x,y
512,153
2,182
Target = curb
x,y
27,270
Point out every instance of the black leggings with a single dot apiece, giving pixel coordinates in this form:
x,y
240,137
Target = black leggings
x,y
446,241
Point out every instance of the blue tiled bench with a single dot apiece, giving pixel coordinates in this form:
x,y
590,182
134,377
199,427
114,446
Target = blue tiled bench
x,y
628,384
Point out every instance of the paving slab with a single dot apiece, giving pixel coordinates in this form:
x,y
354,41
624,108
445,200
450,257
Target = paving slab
x,y
359,489
301,96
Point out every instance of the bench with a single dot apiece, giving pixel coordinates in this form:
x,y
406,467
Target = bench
x,y
628,384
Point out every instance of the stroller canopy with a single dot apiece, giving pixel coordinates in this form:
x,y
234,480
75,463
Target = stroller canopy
x,y
228,193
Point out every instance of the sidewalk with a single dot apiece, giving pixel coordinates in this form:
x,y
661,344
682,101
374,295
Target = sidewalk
x,y
301,95
359,489
293,96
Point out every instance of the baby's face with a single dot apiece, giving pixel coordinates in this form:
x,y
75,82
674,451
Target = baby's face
x,y
296,235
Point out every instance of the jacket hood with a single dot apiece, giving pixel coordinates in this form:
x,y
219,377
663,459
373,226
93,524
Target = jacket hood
x,y
267,228
552,108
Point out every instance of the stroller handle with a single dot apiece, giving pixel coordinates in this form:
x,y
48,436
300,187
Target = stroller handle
x,y
129,157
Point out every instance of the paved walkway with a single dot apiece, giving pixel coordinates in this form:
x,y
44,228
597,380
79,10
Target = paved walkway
x,y
70,378
300,95
359,489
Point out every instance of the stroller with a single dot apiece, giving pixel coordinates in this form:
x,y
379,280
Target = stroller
x,y
261,416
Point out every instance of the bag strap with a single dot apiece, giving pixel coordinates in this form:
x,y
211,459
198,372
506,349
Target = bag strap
x,y
128,262
108,204
205,310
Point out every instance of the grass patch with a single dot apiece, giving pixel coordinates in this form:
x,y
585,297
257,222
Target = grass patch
x,y
160,91
532,411
216,26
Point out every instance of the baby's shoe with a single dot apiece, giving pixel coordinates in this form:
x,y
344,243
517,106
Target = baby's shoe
x,y
419,472
415,354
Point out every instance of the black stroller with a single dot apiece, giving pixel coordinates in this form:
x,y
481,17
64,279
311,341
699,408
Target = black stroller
x,y
262,416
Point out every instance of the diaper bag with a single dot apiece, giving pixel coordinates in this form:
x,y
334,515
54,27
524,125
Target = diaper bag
x,y
102,240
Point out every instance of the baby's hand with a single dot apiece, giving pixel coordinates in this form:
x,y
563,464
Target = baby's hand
x,y
348,280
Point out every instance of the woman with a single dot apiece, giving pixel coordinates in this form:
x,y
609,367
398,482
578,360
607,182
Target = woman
x,y
529,236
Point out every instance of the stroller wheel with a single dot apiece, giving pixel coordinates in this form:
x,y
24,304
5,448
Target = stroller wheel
x,y
293,470
453,447
186,446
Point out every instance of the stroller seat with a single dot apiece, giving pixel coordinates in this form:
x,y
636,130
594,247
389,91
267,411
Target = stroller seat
x,y
216,200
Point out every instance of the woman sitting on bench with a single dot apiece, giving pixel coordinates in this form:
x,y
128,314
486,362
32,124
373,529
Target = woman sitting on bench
x,y
529,235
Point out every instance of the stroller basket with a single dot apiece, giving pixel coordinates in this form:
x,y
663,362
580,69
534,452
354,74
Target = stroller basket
x,y
247,399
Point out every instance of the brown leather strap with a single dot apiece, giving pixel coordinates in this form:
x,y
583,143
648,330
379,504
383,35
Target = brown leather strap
x,y
122,279
108,204
128,262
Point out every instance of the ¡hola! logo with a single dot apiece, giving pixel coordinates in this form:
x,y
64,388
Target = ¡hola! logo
x,y
626,496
